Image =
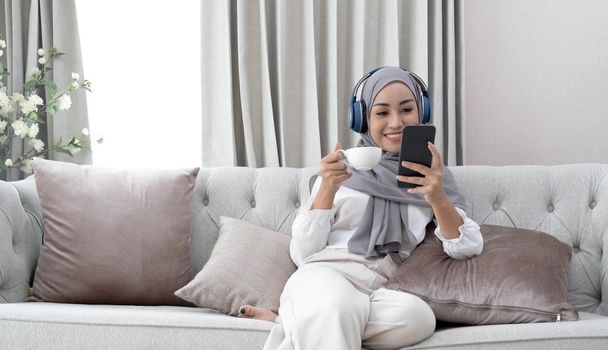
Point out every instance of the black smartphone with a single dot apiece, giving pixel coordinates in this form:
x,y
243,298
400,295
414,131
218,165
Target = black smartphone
x,y
415,149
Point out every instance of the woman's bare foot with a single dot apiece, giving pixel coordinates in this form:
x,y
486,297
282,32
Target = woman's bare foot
x,y
259,313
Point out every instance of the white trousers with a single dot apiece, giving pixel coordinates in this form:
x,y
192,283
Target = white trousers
x,y
336,300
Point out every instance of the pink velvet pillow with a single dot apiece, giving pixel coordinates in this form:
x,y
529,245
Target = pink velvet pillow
x,y
521,276
113,236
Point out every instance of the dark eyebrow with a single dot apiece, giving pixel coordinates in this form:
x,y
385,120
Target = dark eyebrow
x,y
384,104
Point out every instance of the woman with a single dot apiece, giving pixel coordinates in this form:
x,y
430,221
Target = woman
x,y
359,227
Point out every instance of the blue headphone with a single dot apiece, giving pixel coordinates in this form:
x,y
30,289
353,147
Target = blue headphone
x,y
357,112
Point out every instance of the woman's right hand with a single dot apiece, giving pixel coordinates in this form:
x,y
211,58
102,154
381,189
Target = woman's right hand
x,y
333,171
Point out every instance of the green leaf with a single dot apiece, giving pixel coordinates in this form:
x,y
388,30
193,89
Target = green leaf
x,y
32,116
55,53
30,86
51,87
62,150
52,108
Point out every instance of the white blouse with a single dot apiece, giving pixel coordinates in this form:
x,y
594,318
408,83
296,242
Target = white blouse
x,y
315,229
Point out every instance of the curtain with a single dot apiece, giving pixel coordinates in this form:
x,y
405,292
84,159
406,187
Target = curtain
x,y
26,26
277,76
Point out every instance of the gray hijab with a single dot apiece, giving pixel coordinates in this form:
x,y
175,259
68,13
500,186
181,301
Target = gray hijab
x,y
384,227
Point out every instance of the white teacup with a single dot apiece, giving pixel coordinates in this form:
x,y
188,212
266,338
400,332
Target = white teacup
x,y
362,158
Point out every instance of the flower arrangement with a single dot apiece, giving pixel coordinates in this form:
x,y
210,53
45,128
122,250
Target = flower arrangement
x,y
21,114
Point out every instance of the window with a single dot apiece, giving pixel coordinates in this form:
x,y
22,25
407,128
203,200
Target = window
x,y
143,59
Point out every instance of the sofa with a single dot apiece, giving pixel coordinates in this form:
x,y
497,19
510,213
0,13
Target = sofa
x,y
570,202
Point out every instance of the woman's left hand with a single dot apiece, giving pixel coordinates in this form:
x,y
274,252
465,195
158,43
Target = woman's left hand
x,y
431,184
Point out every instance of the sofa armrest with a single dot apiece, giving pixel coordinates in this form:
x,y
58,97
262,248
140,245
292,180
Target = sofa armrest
x,y
20,238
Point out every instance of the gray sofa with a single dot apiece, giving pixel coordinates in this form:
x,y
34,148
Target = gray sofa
x,y
569,201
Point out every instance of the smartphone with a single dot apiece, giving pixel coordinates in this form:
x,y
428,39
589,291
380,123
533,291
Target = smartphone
x,y
415,149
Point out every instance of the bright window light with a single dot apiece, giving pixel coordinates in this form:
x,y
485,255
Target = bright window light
x,y
143,59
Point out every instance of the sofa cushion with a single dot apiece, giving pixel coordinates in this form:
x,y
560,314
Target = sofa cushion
x,y
113,236
75,326
44,325
249,264
521,276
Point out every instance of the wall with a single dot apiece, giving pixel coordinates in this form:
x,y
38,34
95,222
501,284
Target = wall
x,y
536,82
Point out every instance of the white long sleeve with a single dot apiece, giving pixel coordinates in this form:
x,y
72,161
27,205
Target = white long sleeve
x,y
468,244
315,229
309,234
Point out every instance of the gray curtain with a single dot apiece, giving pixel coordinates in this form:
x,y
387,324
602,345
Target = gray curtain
x,y
277,76
26,26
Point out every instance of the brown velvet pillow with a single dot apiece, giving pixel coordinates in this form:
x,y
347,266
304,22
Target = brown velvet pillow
x,y
249,264
521,276
113,236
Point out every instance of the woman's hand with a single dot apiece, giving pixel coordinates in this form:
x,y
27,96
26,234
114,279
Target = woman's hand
x,y
447,217
333,173
432,181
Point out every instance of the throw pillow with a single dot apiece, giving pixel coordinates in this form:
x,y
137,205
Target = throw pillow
x,y
521,276
113,236
249,264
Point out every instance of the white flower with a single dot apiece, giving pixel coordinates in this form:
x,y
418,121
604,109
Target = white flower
x,y
75,84
40,52
3,124
85,131
1,53
4,100
33,73
26,166
42,60
33,131
28,106
37,144
8,162
65,102
35,99
2,44
17,97
6,110
75,76
20,128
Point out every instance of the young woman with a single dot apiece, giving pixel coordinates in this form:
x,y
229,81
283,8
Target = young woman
x,y
359,227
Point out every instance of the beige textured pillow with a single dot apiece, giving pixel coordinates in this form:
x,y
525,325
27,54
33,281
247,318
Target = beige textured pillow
x,y
521,276
113,236
249,264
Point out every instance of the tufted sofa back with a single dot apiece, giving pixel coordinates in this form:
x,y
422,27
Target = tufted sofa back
x,y
569,202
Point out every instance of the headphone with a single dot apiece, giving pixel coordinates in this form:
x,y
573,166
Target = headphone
x,y
357,112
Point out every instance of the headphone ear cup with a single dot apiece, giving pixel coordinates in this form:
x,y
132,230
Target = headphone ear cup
x,y
426,102
357,119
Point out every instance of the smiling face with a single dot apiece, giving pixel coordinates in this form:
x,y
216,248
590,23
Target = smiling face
x,y
394,108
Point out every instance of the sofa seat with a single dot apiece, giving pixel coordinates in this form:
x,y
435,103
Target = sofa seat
x,y
75,326
39,325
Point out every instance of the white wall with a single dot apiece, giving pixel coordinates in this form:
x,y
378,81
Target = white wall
x,y
536,82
